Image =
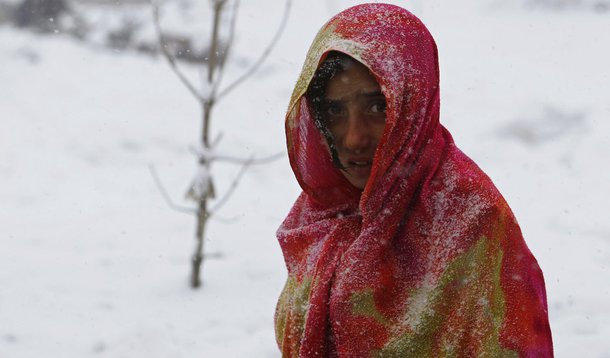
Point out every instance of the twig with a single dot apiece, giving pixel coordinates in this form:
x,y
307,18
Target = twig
x,y
246,163
217,139
223,220
236,160
169,57
166,196
250,161
232,188
218,4
216,84
231,34
263,56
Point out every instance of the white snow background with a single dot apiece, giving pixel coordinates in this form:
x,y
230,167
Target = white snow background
x,y
94,263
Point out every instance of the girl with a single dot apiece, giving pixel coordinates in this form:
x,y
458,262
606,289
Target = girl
x,y
399,245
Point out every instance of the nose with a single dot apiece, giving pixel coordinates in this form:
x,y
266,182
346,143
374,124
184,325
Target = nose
x,y
357,136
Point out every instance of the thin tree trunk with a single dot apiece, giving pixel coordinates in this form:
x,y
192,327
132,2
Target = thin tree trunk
x,y
202,218
205,133
207,105
207,100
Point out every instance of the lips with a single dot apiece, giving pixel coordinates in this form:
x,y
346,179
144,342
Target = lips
x,y
360,163
359,167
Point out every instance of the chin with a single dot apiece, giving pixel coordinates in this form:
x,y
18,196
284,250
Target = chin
x,y
357,179
358,183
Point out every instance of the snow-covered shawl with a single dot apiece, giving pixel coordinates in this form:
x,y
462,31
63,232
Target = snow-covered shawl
x,y
427,260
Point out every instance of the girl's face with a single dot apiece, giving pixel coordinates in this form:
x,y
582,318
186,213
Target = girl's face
x,y
354,110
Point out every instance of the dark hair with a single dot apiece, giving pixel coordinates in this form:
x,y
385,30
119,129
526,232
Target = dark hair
x,y
334,64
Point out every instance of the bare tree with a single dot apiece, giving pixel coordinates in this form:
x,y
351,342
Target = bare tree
x,y
202,189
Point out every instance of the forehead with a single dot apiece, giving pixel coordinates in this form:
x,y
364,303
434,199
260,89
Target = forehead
x,y
354,80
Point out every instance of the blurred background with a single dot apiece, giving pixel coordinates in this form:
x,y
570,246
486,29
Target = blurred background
x,y
93,262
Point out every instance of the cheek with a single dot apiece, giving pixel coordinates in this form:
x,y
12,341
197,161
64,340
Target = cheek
x,y
378,131
337,130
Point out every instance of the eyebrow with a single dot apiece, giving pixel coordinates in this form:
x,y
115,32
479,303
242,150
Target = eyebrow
x,y
373,94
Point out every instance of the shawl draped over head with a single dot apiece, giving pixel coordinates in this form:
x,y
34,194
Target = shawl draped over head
x,y
427,260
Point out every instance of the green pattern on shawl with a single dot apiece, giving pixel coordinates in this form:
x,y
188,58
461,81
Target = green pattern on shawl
x,y
292,307
425,330
363,303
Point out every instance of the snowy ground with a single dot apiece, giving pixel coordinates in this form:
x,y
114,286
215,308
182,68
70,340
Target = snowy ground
x,y
93,263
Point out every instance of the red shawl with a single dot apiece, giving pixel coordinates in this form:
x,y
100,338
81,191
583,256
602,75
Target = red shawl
x,y
427,260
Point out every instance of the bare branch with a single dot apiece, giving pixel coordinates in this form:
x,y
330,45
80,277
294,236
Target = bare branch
x,y
227,50
231,33
232,188
263,56
169,57
250,161
217,140
166,196
213,59
246,163
226,221
210,157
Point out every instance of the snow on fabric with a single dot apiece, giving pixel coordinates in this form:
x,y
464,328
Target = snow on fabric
x,y
428,259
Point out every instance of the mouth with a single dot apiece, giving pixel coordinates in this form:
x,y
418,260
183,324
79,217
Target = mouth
x,y
359,163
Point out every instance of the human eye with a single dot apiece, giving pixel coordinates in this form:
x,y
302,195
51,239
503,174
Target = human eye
x,y
334,110
378,107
